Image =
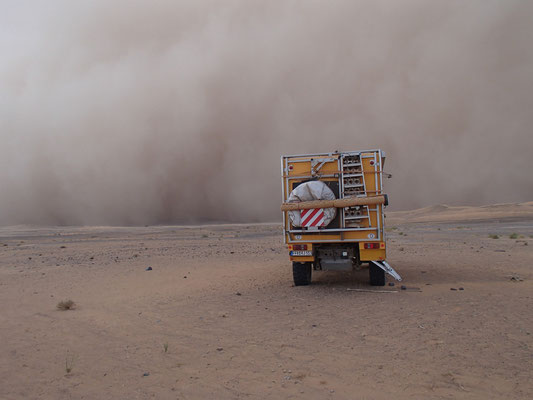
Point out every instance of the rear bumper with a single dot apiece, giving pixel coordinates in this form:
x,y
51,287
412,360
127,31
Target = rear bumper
x,y
379,254
372,254
296,254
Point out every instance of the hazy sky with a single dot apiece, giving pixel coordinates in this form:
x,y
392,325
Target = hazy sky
x,y
143,112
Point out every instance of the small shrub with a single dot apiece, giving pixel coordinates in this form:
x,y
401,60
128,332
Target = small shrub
x,y
494,236
69,363
65,305
165,347
513,236
205,236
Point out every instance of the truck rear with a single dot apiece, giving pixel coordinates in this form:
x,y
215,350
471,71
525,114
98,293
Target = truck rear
x,y
333,215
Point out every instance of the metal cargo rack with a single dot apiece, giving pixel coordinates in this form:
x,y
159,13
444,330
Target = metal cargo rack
x,y
353,180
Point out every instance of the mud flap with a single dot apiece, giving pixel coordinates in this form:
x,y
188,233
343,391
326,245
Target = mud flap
x,y
388,269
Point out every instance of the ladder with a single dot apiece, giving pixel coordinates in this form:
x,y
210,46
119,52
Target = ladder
x,y
352,181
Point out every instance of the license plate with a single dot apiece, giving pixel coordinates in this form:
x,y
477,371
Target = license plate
x,y
301,253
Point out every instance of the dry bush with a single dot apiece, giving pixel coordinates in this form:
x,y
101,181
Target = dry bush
x,y
65,305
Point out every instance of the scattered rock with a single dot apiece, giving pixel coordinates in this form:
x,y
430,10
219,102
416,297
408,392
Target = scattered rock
x,y
452,288
146,374
149,269
461,288
220,348
238,294
185,277
515,278
499,251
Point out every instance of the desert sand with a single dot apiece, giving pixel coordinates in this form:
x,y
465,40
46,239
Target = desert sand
x,y
217,316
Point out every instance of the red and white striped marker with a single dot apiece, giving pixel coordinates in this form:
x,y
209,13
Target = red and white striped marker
x,y
312,217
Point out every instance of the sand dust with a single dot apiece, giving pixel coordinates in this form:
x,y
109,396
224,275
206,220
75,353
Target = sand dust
x,y
218,317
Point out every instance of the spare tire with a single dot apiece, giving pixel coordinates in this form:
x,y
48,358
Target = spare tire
x,y
309,191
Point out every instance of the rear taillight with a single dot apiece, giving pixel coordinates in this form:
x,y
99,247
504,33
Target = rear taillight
x,y
371,245
299,247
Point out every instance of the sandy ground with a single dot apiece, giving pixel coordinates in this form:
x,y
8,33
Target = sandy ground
x,y
217,317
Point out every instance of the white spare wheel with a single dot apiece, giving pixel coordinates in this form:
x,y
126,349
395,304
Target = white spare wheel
x,y
316,217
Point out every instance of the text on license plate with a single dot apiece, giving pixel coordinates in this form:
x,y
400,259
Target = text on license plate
x,y
301,253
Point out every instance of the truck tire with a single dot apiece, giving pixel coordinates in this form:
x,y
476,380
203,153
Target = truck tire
x,y
301,273
377,275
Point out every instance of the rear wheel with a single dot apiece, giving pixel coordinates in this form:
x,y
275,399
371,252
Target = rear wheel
x,y
377,275
301,273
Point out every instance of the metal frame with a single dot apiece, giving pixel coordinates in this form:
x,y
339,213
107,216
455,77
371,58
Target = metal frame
x,y
378,157
331,154
384,265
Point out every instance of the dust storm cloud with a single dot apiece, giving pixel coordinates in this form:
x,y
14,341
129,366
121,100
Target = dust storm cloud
x,y
136,112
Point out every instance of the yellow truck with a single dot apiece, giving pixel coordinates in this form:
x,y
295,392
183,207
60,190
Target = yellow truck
x,y
333,217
